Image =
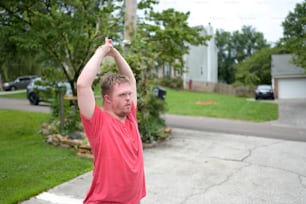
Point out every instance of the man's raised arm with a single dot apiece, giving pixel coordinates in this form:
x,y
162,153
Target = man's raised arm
x,y
126,70
86,98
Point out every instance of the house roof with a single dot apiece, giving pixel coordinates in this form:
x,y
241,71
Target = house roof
x,y
282,66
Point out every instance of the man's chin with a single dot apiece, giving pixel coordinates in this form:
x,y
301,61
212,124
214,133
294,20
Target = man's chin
x,y
128,111
125,112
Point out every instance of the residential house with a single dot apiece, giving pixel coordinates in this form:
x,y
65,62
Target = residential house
x,y
201,64
288,80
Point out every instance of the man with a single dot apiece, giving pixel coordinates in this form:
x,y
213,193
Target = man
x,y
112,131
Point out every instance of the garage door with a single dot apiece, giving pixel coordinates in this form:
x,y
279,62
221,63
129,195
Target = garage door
x,y
291,88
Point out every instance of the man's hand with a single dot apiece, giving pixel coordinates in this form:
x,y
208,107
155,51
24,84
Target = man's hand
x,y
106,48
108,43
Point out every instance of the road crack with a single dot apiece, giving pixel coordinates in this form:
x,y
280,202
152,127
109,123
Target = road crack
x,y
228,177
302,179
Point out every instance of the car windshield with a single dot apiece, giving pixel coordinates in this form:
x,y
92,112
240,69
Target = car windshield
x,y
264,87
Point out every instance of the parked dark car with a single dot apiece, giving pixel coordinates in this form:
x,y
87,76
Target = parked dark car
x,y
264,92
20,82
43,91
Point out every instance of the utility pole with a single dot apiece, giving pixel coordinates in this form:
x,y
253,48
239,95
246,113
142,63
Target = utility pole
x,y
129,21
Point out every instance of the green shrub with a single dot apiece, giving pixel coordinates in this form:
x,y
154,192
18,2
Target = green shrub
x,y
150,123
172,82
71,115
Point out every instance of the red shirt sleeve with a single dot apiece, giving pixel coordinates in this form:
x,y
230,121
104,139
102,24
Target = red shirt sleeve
x,y
92,125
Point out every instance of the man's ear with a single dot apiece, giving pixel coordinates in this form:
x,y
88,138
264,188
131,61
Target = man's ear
x,y
107,98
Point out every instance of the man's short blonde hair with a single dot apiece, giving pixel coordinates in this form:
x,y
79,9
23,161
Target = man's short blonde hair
x,y
109,80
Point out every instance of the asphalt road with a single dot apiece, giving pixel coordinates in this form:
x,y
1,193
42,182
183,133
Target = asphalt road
x,y
267,130
290,126
19,104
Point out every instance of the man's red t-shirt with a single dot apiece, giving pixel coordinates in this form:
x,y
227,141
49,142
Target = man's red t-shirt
x,y
118,175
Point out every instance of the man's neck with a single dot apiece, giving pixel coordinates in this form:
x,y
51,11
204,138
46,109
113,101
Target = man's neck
x,y
121,119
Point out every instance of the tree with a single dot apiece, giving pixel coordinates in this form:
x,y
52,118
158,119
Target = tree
x,y
247,42
235,47
67,32
14,60
168,34
295,34
257,68
225,56
161,39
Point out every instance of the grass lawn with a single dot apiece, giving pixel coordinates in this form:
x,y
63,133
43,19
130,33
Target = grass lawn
x,y
220,106
211,105
28,164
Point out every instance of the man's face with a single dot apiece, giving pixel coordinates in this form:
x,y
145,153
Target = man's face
x,y
121,99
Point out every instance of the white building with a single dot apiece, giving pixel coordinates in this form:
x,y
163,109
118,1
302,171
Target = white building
x,y
201,64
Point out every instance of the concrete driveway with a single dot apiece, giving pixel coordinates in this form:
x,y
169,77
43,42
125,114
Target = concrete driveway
x,y
210,168
292,113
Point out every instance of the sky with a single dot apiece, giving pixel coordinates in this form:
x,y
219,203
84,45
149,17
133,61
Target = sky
x,y
266,16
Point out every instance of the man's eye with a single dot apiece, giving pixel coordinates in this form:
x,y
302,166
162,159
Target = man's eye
x,y
125,95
